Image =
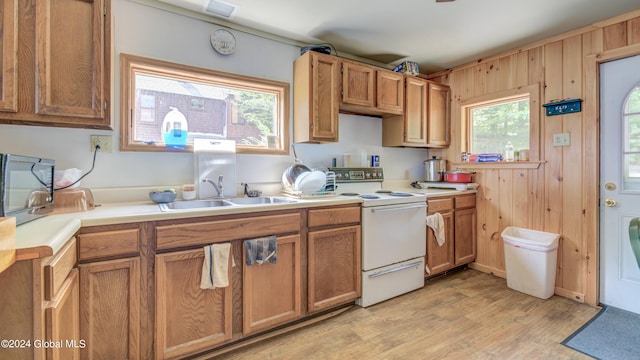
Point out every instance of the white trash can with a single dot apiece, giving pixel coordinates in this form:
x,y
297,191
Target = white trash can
x,y
530,259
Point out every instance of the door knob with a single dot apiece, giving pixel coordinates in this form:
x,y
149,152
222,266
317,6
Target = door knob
x,y
609,202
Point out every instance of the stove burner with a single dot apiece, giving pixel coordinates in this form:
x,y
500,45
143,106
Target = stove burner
x,y
370,197
384,192
349,194
404,194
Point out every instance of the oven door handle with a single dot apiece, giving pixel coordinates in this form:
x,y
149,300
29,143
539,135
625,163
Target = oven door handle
x,y
389,209
399,268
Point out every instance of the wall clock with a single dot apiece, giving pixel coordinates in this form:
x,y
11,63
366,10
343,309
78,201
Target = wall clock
x,y
223,42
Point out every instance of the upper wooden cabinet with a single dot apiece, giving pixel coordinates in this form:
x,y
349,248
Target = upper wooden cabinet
x,y
426,119
316,79
369,90
56,63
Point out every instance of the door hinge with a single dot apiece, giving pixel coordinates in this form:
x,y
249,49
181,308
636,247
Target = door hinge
x,y
105,105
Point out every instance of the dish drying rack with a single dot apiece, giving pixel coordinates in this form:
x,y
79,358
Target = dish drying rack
x,y
329,189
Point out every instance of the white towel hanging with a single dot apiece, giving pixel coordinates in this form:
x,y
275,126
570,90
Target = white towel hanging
x,y
215,267
436,222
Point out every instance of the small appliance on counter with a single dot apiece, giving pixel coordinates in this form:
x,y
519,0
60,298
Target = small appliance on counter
x,y
26,187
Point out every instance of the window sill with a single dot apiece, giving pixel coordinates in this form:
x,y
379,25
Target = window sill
x,y
498,165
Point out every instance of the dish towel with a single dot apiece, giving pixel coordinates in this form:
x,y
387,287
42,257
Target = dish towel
x,y
436,222
215,267
261,250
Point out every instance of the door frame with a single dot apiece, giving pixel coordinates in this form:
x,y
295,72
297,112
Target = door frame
x,y
591,163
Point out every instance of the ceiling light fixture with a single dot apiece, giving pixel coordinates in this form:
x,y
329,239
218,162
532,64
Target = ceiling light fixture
x,y
221,8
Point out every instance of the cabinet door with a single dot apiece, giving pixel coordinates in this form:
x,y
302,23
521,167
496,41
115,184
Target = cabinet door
x,y
188,319
62,321
438,115
441,258
465,236
316,99
358,84
70,63
109,309
390,92
8,55
271,291
415,112
334,267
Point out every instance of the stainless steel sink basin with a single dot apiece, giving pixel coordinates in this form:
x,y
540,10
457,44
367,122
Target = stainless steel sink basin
x,y
261,200
193,204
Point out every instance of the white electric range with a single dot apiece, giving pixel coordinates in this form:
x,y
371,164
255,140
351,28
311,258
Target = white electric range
x,y
393,234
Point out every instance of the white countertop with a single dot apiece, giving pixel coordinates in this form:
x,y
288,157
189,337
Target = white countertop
x,y
47,235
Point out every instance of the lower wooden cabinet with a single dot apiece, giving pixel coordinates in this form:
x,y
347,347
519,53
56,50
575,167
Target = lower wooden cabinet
x,y
271,292
188,319
110,309
459,214
334,267
62,321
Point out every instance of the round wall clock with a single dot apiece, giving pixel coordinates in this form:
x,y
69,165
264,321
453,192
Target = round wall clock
x,y
223,41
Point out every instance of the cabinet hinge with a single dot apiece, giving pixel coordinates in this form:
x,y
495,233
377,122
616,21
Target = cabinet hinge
x,y
105,105
104,10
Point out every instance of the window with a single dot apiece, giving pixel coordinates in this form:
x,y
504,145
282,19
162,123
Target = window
x,y
490,121
631,136
203,104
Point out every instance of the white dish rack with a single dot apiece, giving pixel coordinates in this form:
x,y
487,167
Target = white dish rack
x,y
329,189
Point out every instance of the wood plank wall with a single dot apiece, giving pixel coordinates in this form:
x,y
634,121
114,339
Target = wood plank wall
x,y
561,195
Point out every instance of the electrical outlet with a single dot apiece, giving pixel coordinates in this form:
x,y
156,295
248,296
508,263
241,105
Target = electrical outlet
x,y
104,141
561,139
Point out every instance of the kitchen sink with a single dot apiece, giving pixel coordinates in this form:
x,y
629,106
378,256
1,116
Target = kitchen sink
x,y
261,200
193,204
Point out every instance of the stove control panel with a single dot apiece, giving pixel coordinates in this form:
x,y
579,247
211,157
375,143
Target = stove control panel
x,y
358,174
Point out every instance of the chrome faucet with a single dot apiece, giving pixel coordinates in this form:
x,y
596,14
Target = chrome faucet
x,y
217,186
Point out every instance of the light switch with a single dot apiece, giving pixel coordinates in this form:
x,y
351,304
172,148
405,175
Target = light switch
x,y
561,139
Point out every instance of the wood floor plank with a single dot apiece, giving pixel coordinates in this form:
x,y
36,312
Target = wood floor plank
x,y
463,315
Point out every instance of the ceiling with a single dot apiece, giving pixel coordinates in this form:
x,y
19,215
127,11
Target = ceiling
x,y
436,35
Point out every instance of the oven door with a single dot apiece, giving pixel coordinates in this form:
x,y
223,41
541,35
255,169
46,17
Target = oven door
x,y
393,233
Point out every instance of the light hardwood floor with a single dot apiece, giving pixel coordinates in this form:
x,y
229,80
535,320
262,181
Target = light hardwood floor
x,y
463,315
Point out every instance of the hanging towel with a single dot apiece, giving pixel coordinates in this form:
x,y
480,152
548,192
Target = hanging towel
x,y
436,222
215,267
261,250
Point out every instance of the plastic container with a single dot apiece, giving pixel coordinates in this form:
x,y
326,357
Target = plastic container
x,y
508,152
530,259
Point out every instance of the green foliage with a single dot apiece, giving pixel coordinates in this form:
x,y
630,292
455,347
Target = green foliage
x,y
258,109
493,126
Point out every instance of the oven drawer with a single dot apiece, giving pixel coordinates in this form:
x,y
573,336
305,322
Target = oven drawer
x,y
390,281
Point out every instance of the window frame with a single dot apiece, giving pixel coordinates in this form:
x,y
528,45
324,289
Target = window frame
x,y
130,65
533,93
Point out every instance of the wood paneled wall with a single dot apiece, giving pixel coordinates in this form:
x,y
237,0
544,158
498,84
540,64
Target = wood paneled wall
x,y
560,195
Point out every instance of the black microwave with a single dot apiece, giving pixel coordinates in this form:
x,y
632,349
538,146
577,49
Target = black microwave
x,y
26,187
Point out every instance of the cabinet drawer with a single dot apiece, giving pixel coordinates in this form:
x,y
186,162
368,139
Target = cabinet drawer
x,y
439,205
203,233
56,271
334,216
108,244
465,201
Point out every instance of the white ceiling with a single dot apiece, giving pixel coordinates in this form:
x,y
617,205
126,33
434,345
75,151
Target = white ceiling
x,y
435,35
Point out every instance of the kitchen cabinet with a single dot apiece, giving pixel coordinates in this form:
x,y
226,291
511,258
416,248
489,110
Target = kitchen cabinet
x,y
440,258
334,257
370,90
426,118
272,291
316,79
465,229
62,321
110,275
188,319
459,214
47,79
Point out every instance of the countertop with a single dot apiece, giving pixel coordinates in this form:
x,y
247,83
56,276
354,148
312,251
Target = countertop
x,y
45,236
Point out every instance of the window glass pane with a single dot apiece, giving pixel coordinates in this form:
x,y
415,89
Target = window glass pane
x,y
492,126
633,102
632,133
211,111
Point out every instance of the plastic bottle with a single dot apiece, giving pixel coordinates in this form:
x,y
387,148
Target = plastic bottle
x,y
508,152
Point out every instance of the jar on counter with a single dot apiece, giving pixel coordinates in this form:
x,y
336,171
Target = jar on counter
x,y
524,155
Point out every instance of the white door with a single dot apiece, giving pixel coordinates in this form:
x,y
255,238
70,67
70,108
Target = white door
x,y
619,182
